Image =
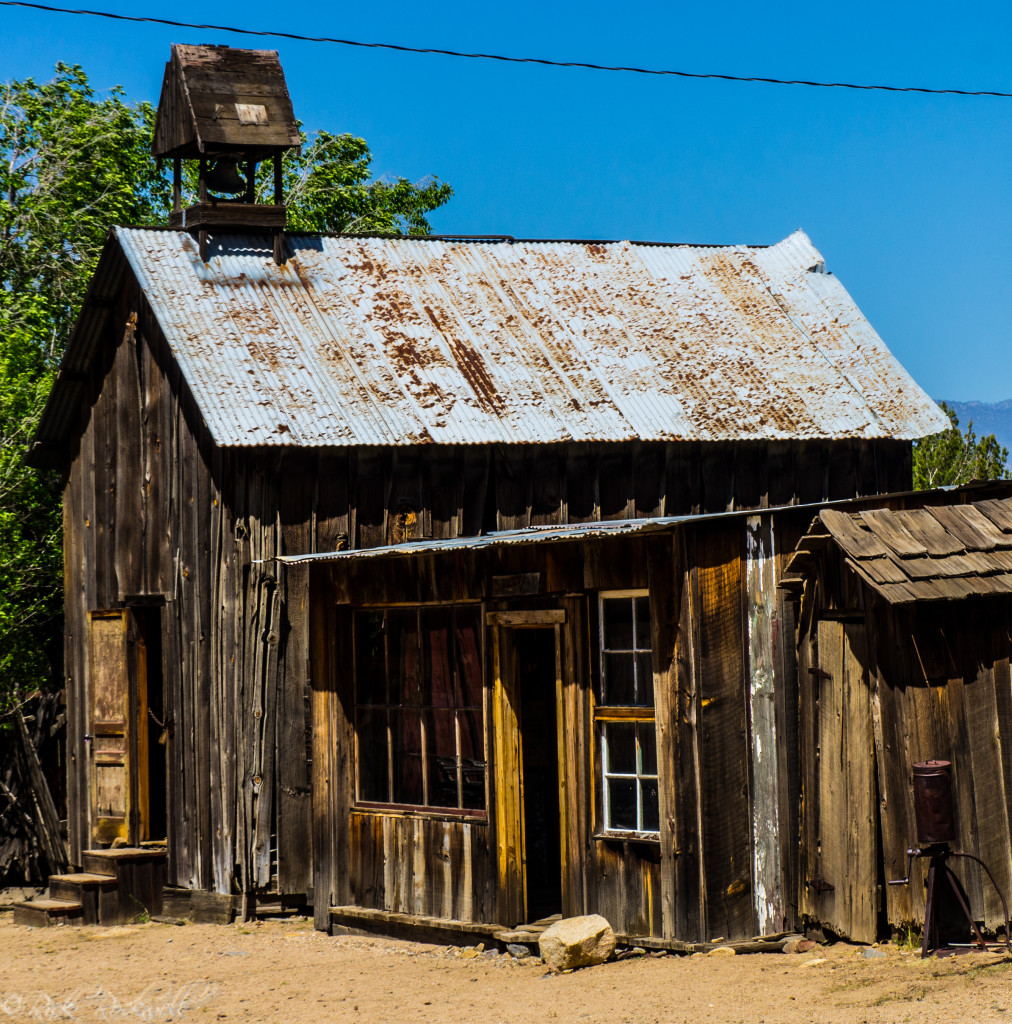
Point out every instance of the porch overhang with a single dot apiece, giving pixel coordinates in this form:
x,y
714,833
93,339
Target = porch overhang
x,y
597,530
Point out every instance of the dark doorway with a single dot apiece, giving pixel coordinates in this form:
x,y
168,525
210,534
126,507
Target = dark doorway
x,y
535,649
152,718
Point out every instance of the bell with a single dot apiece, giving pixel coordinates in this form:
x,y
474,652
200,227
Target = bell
x,y
225,178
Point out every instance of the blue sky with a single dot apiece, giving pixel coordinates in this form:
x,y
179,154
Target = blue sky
x,y
908,197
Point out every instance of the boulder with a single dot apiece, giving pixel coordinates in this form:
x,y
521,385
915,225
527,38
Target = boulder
x,y
577,942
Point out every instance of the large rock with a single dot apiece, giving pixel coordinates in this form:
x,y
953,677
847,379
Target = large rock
x,y
577,942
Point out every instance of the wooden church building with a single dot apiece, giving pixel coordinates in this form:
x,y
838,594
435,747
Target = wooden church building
x,y
436,577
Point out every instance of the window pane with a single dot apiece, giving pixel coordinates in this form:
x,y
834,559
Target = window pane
x,y
622,794
621,740
370,666
642,623
406,727
472,759
648,749
469,656
372,755
405,658
618,679
618,628
648,788
420,706
441,749
644,679
438,672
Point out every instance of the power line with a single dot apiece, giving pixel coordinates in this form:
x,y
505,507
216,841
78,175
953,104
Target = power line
x,y
507,59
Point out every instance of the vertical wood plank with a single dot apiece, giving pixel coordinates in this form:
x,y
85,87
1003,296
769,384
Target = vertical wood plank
x,y
760,596
724,743
664,578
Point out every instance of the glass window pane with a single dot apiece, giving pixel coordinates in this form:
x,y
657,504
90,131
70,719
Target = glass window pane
x,y
618,679
406,729
468,654
405,658
441,750
372,755
438,671
622,796
370,665
621,740
642,622
644,680
618,628
472,759
648,748
648,789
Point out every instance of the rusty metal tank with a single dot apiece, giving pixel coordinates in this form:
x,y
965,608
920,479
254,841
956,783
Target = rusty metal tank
x,y
933,802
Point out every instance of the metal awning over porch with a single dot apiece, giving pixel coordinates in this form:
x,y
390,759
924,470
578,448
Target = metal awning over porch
x,y
573,531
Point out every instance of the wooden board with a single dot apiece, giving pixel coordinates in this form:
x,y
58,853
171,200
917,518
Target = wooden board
x,y
841,892
723,735
761,610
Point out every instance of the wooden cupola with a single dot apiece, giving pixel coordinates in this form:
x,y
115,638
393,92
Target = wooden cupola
x,y
230,110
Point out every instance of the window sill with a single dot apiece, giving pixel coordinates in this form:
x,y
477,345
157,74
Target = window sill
x,y
429,813
628,837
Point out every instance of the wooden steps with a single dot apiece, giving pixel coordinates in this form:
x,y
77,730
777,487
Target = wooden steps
x,y
95,893
415,927
114,887
525,934
43,912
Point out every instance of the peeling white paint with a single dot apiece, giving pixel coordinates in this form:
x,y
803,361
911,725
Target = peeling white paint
x,y
765,798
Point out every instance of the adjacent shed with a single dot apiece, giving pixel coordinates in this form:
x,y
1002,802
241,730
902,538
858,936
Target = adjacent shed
x,y
903,657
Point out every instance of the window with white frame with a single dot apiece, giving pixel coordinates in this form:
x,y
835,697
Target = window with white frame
x,y
624,715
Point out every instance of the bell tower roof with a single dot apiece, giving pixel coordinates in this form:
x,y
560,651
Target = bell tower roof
x,y
217,100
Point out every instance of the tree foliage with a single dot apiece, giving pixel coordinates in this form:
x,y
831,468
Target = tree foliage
x,y
72,164
955,457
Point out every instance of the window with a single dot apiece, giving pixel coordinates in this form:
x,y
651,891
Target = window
x,y
418,708
625,716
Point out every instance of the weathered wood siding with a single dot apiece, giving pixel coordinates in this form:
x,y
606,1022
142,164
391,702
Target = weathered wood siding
x,y
699,880
258,756
881,688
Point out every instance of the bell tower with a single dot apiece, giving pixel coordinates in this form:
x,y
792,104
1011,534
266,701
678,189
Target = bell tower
x,y
229,110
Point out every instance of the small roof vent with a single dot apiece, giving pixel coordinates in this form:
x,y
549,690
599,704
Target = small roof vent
x,y
229,109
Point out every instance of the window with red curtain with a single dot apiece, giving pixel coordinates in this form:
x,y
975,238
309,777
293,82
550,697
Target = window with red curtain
x,y
418,707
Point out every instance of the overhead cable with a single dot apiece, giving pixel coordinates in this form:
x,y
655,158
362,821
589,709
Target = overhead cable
x,y
502,57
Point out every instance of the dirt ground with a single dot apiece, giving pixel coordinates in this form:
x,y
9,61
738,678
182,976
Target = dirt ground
x,y
283,970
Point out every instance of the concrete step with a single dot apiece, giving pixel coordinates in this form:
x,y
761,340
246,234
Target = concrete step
x,y
42,913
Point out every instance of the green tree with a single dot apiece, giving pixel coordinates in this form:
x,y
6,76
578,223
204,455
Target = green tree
x,y
955,457
73,163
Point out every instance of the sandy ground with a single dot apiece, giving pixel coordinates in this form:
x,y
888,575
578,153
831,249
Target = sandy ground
x,y
285,971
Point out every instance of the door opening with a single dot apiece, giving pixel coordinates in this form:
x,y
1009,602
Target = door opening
x,y
152,718
535,679
126,725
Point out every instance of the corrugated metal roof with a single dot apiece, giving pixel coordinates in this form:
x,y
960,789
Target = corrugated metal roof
x,y
395,341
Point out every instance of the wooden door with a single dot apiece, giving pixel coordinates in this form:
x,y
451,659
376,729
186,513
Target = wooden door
x,y
841,888
117,696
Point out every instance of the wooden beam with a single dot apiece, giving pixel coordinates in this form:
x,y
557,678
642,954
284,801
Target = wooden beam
x,y
533,617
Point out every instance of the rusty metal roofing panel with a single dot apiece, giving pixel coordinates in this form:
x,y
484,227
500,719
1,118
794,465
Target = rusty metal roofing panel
x,y
395,341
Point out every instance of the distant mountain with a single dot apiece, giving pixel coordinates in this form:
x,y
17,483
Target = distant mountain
x,y
988,418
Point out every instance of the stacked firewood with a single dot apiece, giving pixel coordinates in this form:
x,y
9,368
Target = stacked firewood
x,y
31,840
